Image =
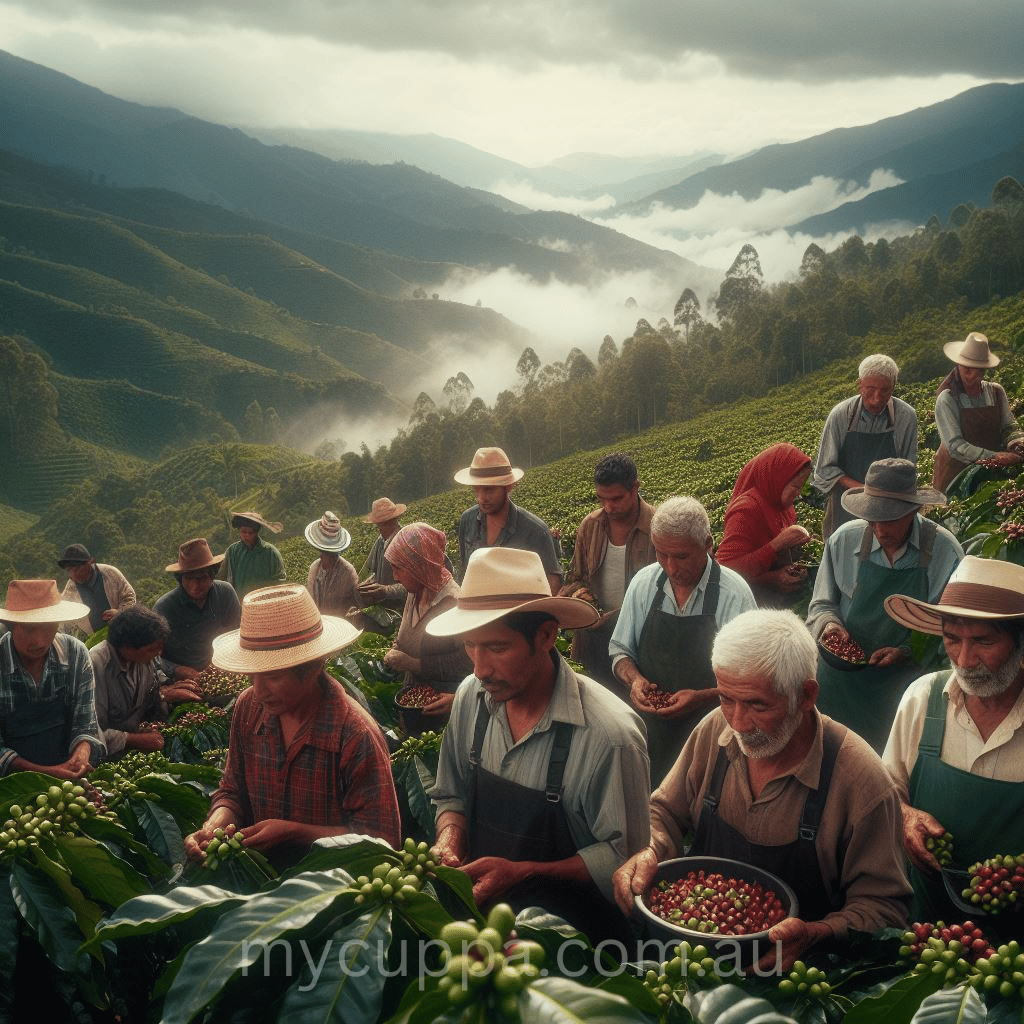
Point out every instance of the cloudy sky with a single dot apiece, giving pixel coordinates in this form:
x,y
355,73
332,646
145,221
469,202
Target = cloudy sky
x,y
531,80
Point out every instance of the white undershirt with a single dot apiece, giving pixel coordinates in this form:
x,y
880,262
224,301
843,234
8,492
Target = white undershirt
x,y
611,581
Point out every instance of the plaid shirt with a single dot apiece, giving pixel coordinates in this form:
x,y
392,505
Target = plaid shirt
x,y
336,771
67,672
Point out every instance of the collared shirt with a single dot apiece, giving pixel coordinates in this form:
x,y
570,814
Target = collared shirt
x,y
607,776
193,628
334,588
380,568
126,695
734,597
836,581
522,530
67,672
1000,757
120,594
860,836
850,415
247,568
947,419
336,771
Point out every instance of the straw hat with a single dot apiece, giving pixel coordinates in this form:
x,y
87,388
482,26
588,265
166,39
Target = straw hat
x,y
281,627
980,588
195,554
327,533
973,351
383,510
39,601
254,519
74,554
500,581
490,468
890,492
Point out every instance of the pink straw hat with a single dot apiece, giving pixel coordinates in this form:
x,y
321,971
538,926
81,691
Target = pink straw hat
x,y
39,601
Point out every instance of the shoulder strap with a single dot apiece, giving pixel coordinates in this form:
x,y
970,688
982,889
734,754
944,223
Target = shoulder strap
x,y
559,757
483,718
832,740
927,543
865,544
934,728
659,593
710,606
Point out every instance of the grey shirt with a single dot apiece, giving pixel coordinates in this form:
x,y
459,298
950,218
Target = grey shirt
x,y
522,530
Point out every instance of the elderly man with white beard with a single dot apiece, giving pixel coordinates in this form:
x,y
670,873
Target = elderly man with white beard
x,y
768,780
956,749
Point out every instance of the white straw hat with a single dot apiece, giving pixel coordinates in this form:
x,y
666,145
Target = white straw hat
x,y
281,627
490,468
327,533
972,351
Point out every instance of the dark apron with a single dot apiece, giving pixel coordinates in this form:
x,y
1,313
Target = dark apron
x,y
866,699
515,822
40,731
856,454
985,816
796,862
675,653
983,427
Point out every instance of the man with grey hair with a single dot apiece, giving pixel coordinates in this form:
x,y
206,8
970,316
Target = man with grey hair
x,y
661,645
768,780
860,430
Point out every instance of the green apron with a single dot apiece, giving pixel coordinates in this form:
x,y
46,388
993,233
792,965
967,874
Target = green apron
x,y
866,699
857,452
984,816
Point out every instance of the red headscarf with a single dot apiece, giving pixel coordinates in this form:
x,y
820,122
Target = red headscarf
x,y
419,549
762,480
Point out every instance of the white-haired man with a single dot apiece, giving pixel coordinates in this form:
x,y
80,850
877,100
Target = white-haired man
x,y
956,750
766,779
670,614
871,425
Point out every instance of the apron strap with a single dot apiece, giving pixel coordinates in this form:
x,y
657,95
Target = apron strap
x,y
934,728
927,539
557,762
815,802
483,717
710,605
712,797
865,544
659,594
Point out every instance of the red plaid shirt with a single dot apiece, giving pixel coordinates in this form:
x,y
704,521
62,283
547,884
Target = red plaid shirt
x,y
336,771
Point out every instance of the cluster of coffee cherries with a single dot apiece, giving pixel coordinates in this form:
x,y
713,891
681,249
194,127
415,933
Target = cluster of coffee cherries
x,y
845,648
1009,498
950,950
692,968
710,902
1011,530
488,968
417,696
415,746
941,848
212,682
388,881
1002,971
658,699
59,810
184,723
805,982
997,883
225,844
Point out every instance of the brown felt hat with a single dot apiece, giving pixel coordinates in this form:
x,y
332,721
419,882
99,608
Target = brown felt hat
x,y
383,510
39,601
195,554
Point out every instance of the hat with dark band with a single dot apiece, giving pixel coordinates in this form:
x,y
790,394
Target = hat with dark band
x,y
490,468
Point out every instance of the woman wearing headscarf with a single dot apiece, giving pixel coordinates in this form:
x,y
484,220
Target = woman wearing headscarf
x,y
761,531
417,557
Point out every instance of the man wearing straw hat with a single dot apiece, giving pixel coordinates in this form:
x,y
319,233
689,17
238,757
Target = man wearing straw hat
x,y
378,584
973,415
47,695
496,521
956,749
889,548
543,780
197,610
304,760
250,562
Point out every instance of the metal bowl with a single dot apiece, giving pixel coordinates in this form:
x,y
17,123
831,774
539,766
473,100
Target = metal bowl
x,y
741,951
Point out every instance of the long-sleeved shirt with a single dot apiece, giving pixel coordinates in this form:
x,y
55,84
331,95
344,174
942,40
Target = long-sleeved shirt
x,y
607,776
947,420
336,771
126,695
247,568
193,628
522,530
119,593
333,588
850,415
379,567
860,837
836,581
734,597
1001,756
67,673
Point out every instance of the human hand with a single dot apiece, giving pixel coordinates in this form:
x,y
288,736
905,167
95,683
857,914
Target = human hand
x,y
109,614
493,876
788,579
834,629
1004,459
789,938
686,702
195,842
67,770
638,691
634,878
268,833
399,660
886,656
918,827
791,537
450,845
370,592
145,741
179,692
186,672
440,705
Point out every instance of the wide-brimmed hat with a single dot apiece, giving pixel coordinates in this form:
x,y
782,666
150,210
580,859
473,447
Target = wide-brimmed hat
x,y
383,510
500,581
281,626
195,554
890,492
973,351
74,554
327,533
980,588
39,601
490,468
254,519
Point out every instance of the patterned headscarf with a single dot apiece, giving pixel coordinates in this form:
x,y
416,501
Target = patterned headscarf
x,y
419,550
